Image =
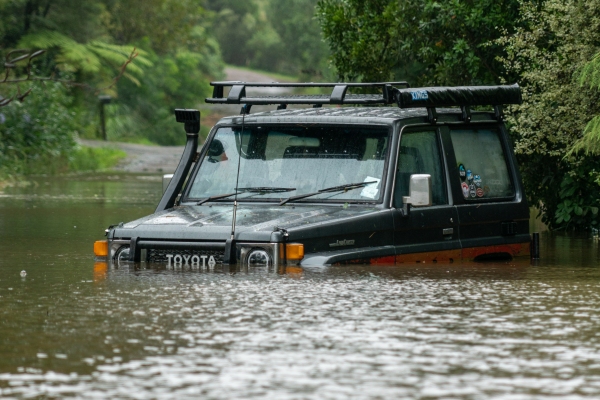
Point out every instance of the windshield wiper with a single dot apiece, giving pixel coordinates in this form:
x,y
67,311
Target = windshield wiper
x,y
340,188
262,189
258,190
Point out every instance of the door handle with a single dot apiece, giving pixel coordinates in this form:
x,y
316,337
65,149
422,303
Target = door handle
x,y
447,231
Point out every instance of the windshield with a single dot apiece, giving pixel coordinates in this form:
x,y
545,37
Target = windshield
x,y
304,159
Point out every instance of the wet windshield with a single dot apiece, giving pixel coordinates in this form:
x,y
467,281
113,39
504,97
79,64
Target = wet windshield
x,y
304,158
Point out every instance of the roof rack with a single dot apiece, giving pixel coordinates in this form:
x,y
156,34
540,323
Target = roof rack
x,y
405,97
237,93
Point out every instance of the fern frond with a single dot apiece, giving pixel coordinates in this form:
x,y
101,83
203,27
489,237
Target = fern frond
x,y
88,57
123,50
71,52
112,58
132,78
590,73
45,40
590,142
82,57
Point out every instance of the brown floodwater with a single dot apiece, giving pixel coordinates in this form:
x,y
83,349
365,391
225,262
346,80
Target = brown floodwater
x,y
75,328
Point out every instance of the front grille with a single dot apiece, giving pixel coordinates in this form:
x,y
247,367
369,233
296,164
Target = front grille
x,y
160,255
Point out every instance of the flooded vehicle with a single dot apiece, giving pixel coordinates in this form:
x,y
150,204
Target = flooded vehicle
x,y
418,178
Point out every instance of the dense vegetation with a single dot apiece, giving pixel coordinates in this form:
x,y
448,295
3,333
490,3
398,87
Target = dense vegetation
x,y
148,55
423,41
550,47
151,56
549,54
272,35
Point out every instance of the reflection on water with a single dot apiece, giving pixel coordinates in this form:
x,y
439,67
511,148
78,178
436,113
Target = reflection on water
x,y
76,328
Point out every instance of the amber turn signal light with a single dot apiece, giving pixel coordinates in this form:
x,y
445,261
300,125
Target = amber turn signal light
x,y
294,251
101,248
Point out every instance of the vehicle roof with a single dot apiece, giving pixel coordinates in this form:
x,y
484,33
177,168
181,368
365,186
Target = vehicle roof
x,y
384,115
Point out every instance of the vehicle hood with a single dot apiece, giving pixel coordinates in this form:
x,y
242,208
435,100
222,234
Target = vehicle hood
x,y
253,222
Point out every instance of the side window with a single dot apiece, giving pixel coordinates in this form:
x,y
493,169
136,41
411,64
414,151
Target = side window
x,y
481,164
420,154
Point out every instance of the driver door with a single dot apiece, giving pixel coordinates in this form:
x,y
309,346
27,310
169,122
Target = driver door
x,y
427,234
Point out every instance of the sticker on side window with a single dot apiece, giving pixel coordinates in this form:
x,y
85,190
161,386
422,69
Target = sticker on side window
x,y
472,190
371,190
465,190
462,172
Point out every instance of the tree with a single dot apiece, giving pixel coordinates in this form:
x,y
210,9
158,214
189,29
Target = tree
x,y
302,48
184,55
88,44
272,35
76,53
37,130
235,24
40,130
424,41
554,44
590,142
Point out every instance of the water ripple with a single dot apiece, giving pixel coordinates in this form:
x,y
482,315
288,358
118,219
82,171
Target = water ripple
x,y
328,333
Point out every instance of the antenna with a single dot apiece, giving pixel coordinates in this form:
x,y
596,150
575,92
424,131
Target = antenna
x,y
230,248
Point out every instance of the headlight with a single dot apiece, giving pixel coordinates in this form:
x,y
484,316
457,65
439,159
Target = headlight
x,y
122,255
259,257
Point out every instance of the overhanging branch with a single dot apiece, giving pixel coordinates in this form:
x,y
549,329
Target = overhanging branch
x,y
11,76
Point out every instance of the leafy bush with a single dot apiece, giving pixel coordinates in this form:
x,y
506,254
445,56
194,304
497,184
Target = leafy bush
x,y
555,42
176,80
423,41
272,35
38,136
175,58
39,131
94,158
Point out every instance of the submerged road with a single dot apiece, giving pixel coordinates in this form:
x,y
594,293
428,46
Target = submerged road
x,y
75,328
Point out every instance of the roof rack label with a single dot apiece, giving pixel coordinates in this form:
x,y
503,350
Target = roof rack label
x,y
419,95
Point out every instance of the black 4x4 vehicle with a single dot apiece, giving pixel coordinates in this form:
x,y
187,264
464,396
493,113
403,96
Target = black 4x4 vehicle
x,y
426,181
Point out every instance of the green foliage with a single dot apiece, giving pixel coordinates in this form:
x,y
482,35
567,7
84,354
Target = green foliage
x,y
423,41
301,48
36,132
577,208
184,57
164,25
590,73
176,57
94,158
96,58
234,25
589,143
80,20
175,81
272,35
554,42
360,35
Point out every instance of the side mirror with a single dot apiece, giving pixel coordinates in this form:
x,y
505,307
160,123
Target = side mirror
x,y
419,190
166,180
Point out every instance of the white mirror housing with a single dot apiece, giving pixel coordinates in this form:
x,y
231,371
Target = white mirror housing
x,y
419,190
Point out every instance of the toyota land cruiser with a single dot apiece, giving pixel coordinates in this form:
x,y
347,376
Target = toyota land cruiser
x,y
406,175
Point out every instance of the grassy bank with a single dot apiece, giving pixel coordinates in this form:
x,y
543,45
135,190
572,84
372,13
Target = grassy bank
x,y
85,159
80,159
